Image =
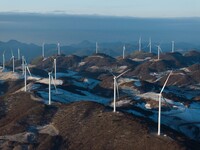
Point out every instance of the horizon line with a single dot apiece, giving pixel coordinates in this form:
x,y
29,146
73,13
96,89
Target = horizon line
x,y
103,42
63,13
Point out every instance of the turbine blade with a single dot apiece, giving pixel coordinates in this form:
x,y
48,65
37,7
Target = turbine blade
x,y
160,50
54,83
117,86
165,82
123,73
28,70
25,61
111,73
11,57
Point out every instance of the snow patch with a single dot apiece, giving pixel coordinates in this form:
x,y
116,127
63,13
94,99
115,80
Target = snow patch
x,y
46,81
150,95
10,76
121,103
148,106
48,129
67,97
96,56
185,69
69,73
94,67
81,64
137,83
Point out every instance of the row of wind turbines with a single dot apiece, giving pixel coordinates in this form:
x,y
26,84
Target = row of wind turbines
x,y
26,69
159,50
150,45
12,58
52,78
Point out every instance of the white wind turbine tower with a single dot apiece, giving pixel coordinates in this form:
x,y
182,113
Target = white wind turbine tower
x,y
54,63
115,87
159,99
43,44
149,45
50,81
26,68
58,47
13,60
49,88
18,53
124,48
23,64
97,47
3,60
159,51
172,46
140,44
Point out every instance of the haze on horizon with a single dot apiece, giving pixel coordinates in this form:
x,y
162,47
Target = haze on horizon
x,y
133,8
104,21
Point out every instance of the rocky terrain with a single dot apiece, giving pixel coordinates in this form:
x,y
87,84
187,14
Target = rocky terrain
x,y
27,123
81,115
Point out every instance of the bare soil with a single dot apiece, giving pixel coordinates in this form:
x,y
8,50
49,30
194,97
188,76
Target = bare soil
x,y
79,125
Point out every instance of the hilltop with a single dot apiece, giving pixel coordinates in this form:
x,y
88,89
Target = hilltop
x,y
81,125
81,113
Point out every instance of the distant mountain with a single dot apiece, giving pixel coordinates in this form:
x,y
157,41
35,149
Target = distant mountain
x,y
28,50
85,48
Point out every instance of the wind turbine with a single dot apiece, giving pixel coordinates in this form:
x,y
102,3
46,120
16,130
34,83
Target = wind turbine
x,y
140,44
3,60
149,45
25,78
97,47
49,88
26,68
115,87
23,64
172,46
58,47
124,48
43,44
54,63
159,99
13,60
18,54
159,50
50,81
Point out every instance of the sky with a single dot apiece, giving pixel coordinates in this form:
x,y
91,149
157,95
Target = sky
x,y
133,8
